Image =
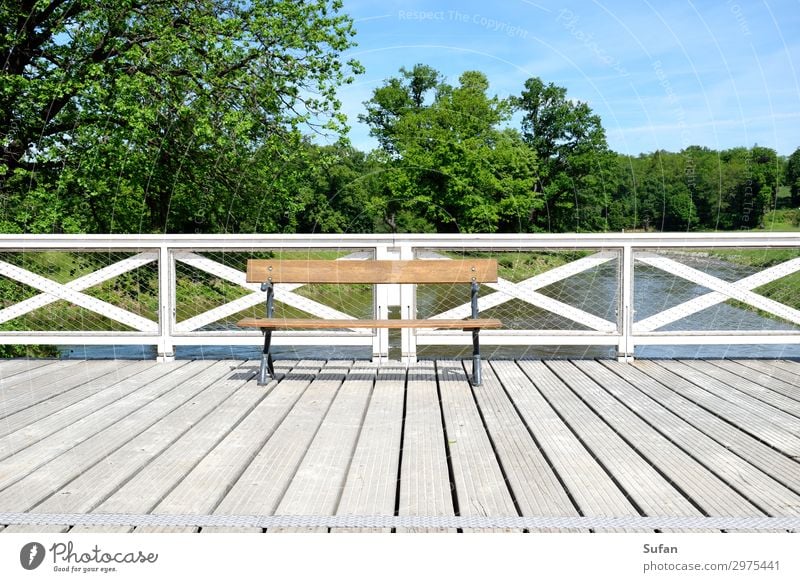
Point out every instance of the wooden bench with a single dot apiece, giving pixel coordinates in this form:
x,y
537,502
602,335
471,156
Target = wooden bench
x,y
269,272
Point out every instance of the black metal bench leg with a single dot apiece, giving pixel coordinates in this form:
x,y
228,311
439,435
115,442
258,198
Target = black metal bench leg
x,y
267,368
476,345
476,359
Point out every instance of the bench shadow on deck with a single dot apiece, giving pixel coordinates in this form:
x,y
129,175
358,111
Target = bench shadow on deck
x,y
561,445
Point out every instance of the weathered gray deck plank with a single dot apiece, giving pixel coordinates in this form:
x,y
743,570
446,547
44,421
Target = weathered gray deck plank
x,y
43,391
261,487
771,371
768,381
24,368
371,484
755,485
649,490
317,485
42,529
705,488
199,491
153,482
25,375
158,530
100,529
587,482
772,462
771,395
535,487
756,425
31,425
752,405
43,451
92,446
424,478
792,366
185,457
481,488
118,467
237,530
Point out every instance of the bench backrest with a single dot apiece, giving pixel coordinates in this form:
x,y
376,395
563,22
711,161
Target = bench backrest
x,y
375,272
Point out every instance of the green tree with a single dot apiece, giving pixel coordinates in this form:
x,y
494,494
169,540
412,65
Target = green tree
x,y
577,168
748,184
117,114
452,162
793,177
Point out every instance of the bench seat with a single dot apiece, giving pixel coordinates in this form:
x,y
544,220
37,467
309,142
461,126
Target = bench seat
x,y
304,323
270,272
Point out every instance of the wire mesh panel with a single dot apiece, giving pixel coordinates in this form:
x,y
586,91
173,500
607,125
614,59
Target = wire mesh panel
x,y
725,290
565,290
553,290
212,293
79,291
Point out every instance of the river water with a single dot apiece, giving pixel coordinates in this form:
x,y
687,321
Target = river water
x,y
595,291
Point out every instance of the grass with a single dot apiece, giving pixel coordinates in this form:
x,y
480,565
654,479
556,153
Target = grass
x,y
783,290
782,220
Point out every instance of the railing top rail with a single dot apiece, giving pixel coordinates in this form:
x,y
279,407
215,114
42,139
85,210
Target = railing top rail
x,y
463,241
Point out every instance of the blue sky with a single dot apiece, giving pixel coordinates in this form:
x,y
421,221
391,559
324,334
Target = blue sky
x,y
665,75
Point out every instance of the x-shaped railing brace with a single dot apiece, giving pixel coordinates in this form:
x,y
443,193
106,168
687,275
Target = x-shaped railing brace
x,y
53,291
721,291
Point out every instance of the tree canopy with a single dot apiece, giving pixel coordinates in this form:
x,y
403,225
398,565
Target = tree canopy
x,y
793,177
451,161
576,164
201,116
155,108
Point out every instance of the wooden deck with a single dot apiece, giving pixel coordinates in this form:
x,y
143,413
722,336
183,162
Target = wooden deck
x,y
558,439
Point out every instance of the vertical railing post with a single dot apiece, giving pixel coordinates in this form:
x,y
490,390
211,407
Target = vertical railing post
x,y
166,304
408,310
625,349
380,342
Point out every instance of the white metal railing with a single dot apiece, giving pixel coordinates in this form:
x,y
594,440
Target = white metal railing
x,y
617,324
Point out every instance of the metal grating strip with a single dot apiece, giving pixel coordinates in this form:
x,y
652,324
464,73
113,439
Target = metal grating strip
x,y
378,522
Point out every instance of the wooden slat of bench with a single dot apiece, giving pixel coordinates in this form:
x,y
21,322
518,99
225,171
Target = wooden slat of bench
x,y
372,272
296,323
